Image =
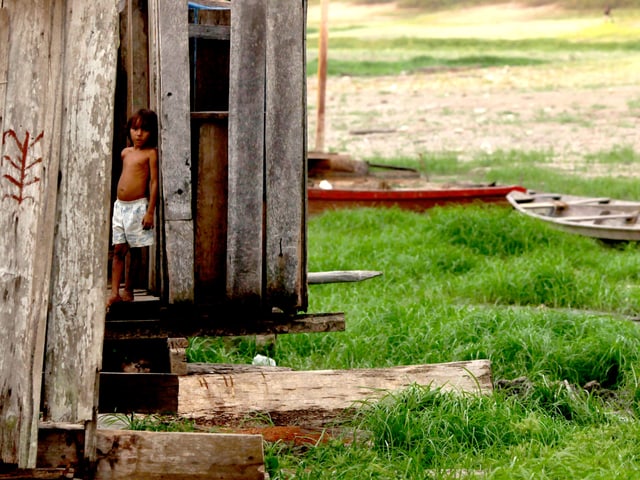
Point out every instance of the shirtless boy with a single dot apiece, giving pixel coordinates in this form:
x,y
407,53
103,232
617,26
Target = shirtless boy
x,y
134,209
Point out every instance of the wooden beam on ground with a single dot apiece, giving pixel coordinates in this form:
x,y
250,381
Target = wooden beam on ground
x,y
178,456
285,156
141,455
316,397
224,326
169,39
245,237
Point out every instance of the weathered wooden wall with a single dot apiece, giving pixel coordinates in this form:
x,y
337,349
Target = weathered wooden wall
x,y
56,122
232,221
266,249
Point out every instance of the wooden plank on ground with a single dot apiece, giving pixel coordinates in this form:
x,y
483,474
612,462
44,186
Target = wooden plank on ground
x,y
211,212
246,154
285,156
141,455
178,456
171,63
29,149
308,397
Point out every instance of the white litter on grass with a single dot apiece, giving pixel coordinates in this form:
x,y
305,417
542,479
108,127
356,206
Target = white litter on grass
x,y
262,360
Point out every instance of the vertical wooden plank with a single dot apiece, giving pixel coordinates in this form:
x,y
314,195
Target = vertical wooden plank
x,y
285,137
137,57
172,104
29,153
211,211
4,60
246,153
76,319
160,276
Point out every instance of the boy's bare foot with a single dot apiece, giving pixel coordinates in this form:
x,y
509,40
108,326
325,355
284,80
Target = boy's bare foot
x,y
113,299
127,296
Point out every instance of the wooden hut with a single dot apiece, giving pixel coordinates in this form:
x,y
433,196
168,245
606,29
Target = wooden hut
x,y
230,93
229,88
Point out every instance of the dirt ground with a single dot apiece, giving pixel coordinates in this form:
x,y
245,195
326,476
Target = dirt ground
x,y
473,112
570,112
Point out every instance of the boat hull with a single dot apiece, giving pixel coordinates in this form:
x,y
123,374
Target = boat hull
x,y
415,200
601,218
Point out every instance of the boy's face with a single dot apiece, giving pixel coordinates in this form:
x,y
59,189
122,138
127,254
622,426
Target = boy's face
x,y
139,137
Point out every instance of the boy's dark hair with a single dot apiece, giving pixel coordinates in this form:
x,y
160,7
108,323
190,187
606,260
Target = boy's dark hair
x,y
146,120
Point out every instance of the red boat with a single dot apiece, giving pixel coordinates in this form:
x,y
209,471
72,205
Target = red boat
x,y
338,181
418,198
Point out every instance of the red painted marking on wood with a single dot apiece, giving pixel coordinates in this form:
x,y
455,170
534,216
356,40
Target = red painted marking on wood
x,y
22,177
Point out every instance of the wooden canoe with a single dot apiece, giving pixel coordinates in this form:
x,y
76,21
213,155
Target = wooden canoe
x,y
597,217
407,193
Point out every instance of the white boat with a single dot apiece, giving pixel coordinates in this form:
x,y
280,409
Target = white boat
x,y
598,217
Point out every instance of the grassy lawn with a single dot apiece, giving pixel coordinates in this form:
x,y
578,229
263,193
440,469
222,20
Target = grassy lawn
x,y
556,314
553,312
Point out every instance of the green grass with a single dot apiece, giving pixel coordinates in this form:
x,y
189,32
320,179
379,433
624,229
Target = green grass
x,y
467,283
402,55
463,283
553,312
418,63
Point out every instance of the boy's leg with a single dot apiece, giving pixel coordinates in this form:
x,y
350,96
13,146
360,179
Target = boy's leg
x,y
117,267
135,260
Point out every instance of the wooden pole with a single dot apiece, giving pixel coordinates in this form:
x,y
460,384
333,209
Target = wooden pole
x,y
322,73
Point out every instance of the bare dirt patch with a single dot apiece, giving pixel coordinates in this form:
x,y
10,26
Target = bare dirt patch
x,y
569,109
475,112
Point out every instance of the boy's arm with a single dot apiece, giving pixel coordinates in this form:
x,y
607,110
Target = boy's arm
x,y
147,221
